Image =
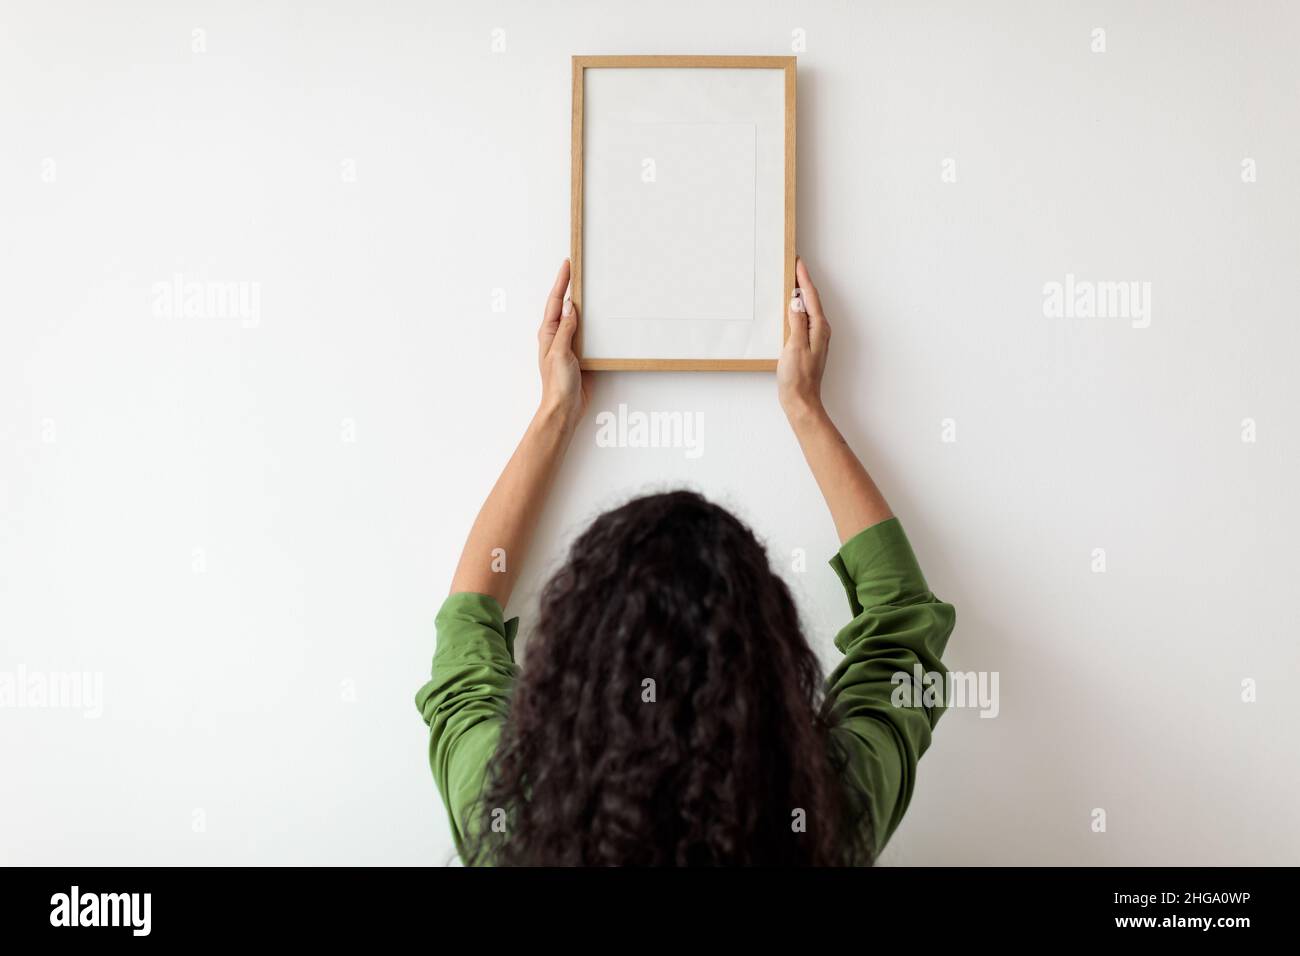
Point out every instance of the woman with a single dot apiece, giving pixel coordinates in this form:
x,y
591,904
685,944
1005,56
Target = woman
x,y
671,712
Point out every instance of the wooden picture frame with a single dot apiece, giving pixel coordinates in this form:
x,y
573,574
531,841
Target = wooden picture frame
x,y
581,64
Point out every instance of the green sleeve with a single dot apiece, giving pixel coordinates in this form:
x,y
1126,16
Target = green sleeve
x,y
466,701
897,626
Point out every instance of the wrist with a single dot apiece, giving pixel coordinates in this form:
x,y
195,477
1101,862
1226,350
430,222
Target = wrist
x,y
802,412
556,418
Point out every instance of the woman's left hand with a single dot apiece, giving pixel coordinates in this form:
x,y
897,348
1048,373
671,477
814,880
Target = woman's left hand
x,y
565,388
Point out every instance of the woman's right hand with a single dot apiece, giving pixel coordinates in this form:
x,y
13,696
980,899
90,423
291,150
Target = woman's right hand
x,y
803,358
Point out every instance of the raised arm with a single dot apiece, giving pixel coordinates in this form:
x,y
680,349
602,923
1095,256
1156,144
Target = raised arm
x,y
467,697
854,500
899,628
501,533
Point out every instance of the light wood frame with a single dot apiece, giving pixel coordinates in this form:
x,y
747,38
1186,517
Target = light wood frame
x,y
583,63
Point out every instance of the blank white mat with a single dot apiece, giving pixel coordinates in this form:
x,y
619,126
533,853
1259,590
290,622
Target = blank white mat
x,y
683,213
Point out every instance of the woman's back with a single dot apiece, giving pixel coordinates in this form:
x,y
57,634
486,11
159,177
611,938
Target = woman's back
x,y
670,712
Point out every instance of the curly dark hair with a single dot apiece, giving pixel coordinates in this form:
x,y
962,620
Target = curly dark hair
x,y
669,713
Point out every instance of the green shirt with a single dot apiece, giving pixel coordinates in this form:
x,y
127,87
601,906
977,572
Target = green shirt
x,y
898,625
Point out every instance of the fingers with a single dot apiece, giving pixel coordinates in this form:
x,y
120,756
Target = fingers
x,y
810,297
819,330
555,301
563,341
554,306
797,322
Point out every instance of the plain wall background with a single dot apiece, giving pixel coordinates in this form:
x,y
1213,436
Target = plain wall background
x,y
269,694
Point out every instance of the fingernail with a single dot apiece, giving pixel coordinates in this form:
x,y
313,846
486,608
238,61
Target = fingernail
x,y
568,306
796,302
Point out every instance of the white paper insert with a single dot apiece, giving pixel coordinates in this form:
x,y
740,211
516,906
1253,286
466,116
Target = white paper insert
x,y
693,182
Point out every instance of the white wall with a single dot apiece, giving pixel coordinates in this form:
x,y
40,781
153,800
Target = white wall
x,y
131,439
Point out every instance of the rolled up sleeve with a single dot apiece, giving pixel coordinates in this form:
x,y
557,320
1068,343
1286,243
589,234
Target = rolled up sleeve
x,y
466,701
898,627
